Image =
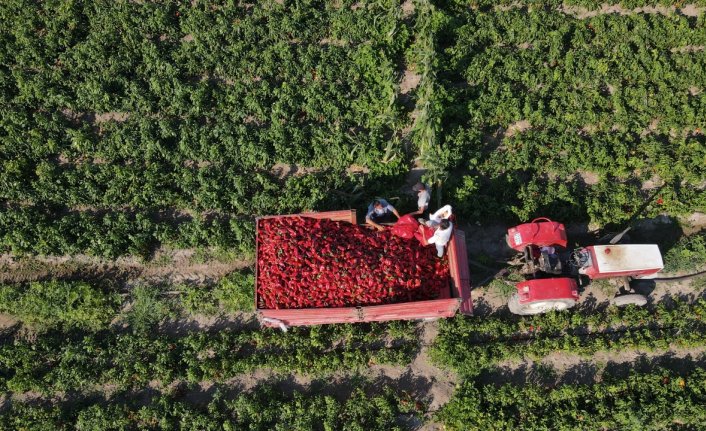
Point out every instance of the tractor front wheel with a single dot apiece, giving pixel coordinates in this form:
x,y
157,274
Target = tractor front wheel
x,y
537,307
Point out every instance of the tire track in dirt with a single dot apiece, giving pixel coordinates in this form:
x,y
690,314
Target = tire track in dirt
x,y
172,267
559,368
689,10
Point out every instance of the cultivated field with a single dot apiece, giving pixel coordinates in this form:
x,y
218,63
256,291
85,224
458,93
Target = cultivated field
x,y
139,140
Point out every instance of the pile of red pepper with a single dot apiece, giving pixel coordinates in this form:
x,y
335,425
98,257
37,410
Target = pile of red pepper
x,y
310,263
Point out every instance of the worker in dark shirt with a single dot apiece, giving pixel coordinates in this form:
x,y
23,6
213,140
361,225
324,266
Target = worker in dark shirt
x,y
380,211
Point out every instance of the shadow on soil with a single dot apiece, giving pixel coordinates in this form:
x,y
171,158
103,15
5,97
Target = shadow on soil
x,y
29,269
414,389
645,364
590,304
587,372
182,327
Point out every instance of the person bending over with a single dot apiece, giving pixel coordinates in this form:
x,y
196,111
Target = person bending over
x,y
442,236
380,211
444,212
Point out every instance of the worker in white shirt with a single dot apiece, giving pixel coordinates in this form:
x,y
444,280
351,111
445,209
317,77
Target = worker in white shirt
x,y
380,211
423,197
442,213
442,236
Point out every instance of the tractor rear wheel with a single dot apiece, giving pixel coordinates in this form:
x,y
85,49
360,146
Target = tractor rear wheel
x,y
537,307
633,298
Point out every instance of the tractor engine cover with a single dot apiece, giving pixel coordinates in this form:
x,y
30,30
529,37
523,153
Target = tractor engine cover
x,y
622,260
540,231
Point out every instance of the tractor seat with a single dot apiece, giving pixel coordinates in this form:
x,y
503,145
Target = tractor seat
x,y
550,262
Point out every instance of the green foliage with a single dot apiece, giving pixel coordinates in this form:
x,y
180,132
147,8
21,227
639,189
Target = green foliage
x,y
118,115
69,305
72,305
134,359
198,300
232,294
652,402
236,292
590,5
501,289
262,408
147,308
54,232
130,125
688,254
471,346
546,113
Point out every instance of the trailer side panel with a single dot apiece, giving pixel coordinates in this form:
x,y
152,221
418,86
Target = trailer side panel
x,y
460,275
456,296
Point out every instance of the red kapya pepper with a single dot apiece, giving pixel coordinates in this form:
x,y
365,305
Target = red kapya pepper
x,y
306,263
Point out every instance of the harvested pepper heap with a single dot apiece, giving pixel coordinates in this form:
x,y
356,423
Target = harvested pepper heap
x,y
307,263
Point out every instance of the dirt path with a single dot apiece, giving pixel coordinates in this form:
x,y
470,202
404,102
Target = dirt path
x,y
168,266
689,10
565,368
202,323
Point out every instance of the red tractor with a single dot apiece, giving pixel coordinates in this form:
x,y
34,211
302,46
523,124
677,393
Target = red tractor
x,y
552,272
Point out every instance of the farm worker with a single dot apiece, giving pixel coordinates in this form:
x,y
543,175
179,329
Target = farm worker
x,y
423,197
380,211
444,212
442,235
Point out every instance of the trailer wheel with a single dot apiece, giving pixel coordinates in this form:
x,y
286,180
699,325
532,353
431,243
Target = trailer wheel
x,y
633,298
537,307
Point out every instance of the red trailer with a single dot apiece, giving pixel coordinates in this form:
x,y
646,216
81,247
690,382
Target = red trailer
x,y
456,297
